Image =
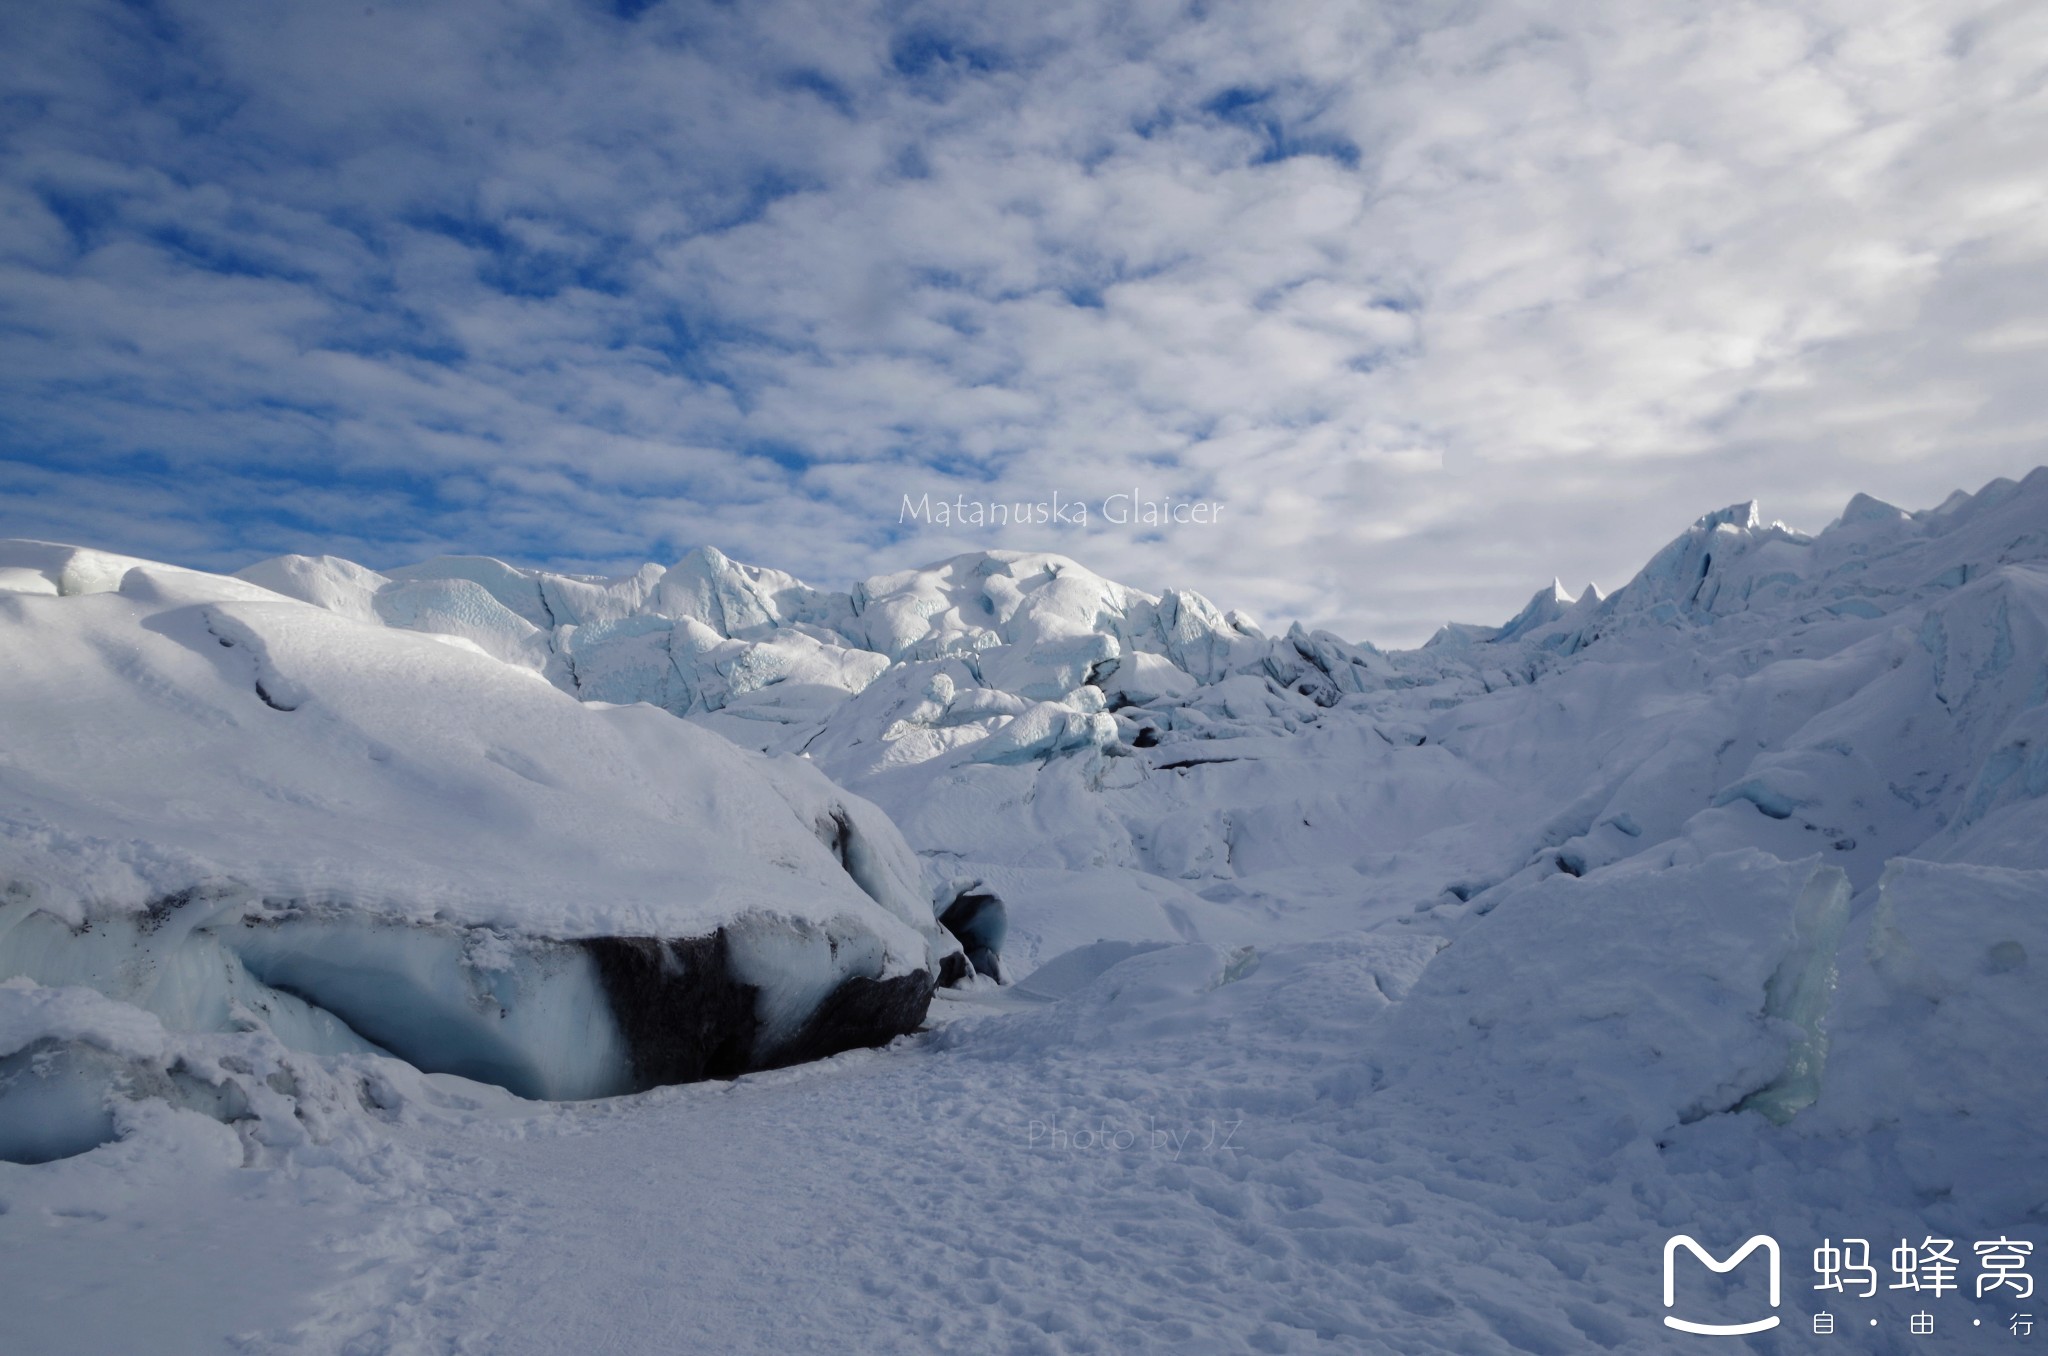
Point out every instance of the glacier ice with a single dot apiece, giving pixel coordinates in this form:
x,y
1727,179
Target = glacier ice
x,y
1719,895
53,1103
1682,993
1933,1038
232,810
1683,684
1867,692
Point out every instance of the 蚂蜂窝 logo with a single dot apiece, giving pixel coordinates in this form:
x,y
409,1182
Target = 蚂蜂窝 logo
x,y
1686,1241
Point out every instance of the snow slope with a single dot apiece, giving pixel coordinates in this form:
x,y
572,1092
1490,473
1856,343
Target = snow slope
x,y
1305,1149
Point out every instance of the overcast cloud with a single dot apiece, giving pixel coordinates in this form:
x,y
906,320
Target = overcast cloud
x,y
1437,300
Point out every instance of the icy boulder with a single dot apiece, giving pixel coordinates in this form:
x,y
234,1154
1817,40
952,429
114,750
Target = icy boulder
x,y
1044,730
741,601
1138,678
989,599
1323,668
232,809
1682,993
1202,640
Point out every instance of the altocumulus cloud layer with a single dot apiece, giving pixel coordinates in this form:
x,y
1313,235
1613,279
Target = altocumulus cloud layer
x,y
1437,300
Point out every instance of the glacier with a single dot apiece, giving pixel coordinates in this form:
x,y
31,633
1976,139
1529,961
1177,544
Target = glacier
x,y
1255,991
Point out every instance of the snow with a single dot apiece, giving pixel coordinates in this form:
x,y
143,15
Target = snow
x,y
1749,672
137,713
218,802
1360,1000
1687,992
1936,1026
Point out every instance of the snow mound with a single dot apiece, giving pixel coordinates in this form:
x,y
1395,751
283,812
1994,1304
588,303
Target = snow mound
x,y
228,807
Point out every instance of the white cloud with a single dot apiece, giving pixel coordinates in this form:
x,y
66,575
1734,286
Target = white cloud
x,y
1439,303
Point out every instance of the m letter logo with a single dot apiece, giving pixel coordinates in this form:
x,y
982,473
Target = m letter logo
x,y
1677,1241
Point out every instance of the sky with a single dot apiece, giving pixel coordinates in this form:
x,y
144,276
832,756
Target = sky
x,y
1436,301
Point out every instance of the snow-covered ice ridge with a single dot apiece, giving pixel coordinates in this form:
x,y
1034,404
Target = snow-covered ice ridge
x,y
234,810
1865,692
1712,905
